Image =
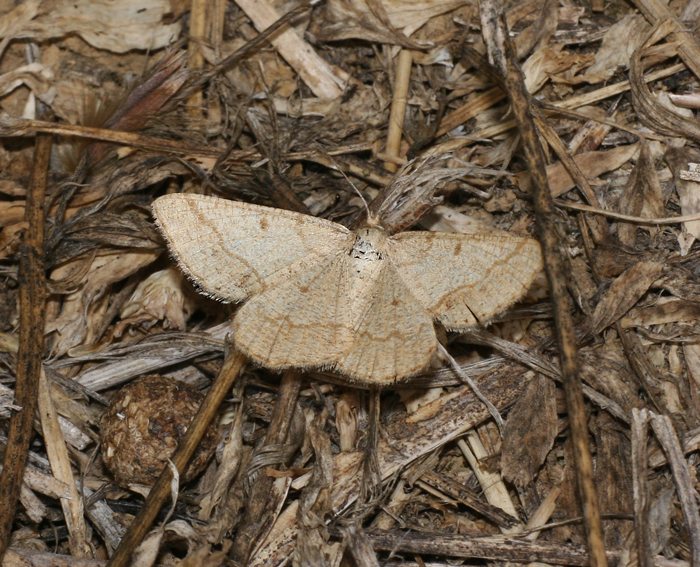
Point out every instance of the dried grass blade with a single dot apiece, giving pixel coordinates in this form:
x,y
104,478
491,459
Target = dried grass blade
x,y
31,343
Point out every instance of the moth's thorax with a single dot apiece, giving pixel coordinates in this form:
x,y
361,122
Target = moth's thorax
x,y
370,245
368,257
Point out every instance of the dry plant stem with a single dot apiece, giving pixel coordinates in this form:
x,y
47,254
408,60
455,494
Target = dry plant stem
x,y
497,548
371,471
598,226
491,483
56,450
258,513
484,101
640,458
198,21
542,514
32,314
644,371
398,107
500,53
466,379
628,218
17,127
476,104
13,127
456,490
233,364
656,11
324,80
668,439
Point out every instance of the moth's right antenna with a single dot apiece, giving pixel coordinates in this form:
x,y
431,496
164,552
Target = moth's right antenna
x,y
370,219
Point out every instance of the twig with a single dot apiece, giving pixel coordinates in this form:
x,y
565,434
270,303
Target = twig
x,y
32,315
73,506
233,364
500,51
494,548
628,218
466,379
640,487
398,107
371,470
259,510
324,80
656,11
666,435
195,59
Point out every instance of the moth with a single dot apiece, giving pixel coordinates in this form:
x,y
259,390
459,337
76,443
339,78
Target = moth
x,y
359,302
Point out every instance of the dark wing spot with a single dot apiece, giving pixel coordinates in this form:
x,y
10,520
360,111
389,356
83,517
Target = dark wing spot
x,y
264,224
458,249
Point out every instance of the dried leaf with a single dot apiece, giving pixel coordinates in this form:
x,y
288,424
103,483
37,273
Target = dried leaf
x,y
113,26
624,292
374,20
545,62
592,163
614,53
679,160
529,432
665,310
663,118
612,476
79,320
162,296
641,197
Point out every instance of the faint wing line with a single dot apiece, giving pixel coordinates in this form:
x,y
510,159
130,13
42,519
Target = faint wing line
x,y
233,250
465,279
393,336
303,322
